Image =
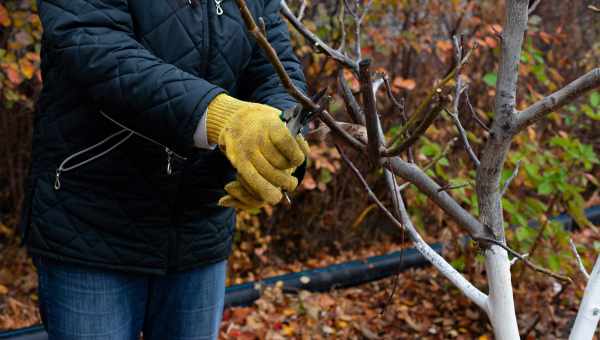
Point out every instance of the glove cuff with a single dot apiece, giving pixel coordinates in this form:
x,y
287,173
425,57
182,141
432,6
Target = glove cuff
x,y
219,113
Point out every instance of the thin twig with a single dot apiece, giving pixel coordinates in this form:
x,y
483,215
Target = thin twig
x,y
358,20
533,7
473,113
459,89
287,82
531,326
453,187
316,42
302,10
579,261
524,259
515,259
463,137
398,104
342,20
443,154
511,178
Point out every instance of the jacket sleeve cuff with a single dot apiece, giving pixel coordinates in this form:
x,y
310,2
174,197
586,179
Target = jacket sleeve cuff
x,y
200,136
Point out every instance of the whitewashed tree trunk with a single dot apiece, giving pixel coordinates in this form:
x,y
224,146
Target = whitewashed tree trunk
x,y
501,303
589,311
501,306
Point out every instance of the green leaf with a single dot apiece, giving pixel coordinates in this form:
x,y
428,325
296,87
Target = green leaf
x,y
545,188
525,234
593,115
458,264
490,79
595,99
325,176
554,262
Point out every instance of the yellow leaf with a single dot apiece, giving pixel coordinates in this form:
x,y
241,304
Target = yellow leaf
x,y
27,68
289,312
341,324
287,330
5,231
483,337
3,290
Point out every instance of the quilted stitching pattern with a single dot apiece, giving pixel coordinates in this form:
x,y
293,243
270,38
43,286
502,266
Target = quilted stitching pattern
x,y
154,66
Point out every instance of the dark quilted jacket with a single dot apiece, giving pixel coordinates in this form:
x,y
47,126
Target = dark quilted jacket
x,y
116,181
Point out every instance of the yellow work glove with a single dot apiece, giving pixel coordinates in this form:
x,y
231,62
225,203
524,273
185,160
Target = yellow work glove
x,y
241,197
260,148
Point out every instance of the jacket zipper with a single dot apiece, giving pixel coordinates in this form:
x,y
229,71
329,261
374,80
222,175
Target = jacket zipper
x,y
218,6
63,165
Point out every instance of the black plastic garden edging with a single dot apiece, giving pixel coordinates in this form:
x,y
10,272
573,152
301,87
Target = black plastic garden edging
x,y
345,274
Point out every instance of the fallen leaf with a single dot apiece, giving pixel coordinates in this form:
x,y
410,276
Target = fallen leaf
x,y
407,84
239,315
4,18
444,45
27,68
12,73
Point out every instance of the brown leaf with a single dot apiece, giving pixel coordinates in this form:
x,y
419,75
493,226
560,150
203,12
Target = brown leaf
x,y
444,45
407,84
239,315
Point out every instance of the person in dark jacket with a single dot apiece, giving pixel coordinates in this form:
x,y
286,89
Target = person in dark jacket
x,y
156,119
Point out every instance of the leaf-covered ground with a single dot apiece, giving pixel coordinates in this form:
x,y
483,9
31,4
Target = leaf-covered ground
x,y
424,305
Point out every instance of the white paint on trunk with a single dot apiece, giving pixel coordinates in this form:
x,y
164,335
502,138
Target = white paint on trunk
x,y
589,311
501,306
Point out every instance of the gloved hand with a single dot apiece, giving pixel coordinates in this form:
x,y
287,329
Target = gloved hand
x,y
240,197
260,148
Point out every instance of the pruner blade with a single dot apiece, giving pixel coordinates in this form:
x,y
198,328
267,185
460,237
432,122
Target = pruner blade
x,y
298,117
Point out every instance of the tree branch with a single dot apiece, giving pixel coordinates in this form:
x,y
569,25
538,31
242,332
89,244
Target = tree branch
x,y
315,41
511,178
354,110
287,82
558,99
427,111
415,175
474,113
579,261
525,259
366,85
459,89
466,287
399,167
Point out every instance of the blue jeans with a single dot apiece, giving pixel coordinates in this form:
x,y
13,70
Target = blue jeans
x,y
83,303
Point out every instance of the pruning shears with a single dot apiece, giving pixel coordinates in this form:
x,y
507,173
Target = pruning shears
x,y
296,120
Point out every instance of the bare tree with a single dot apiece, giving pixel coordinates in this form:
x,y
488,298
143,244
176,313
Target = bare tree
x,y
366,136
